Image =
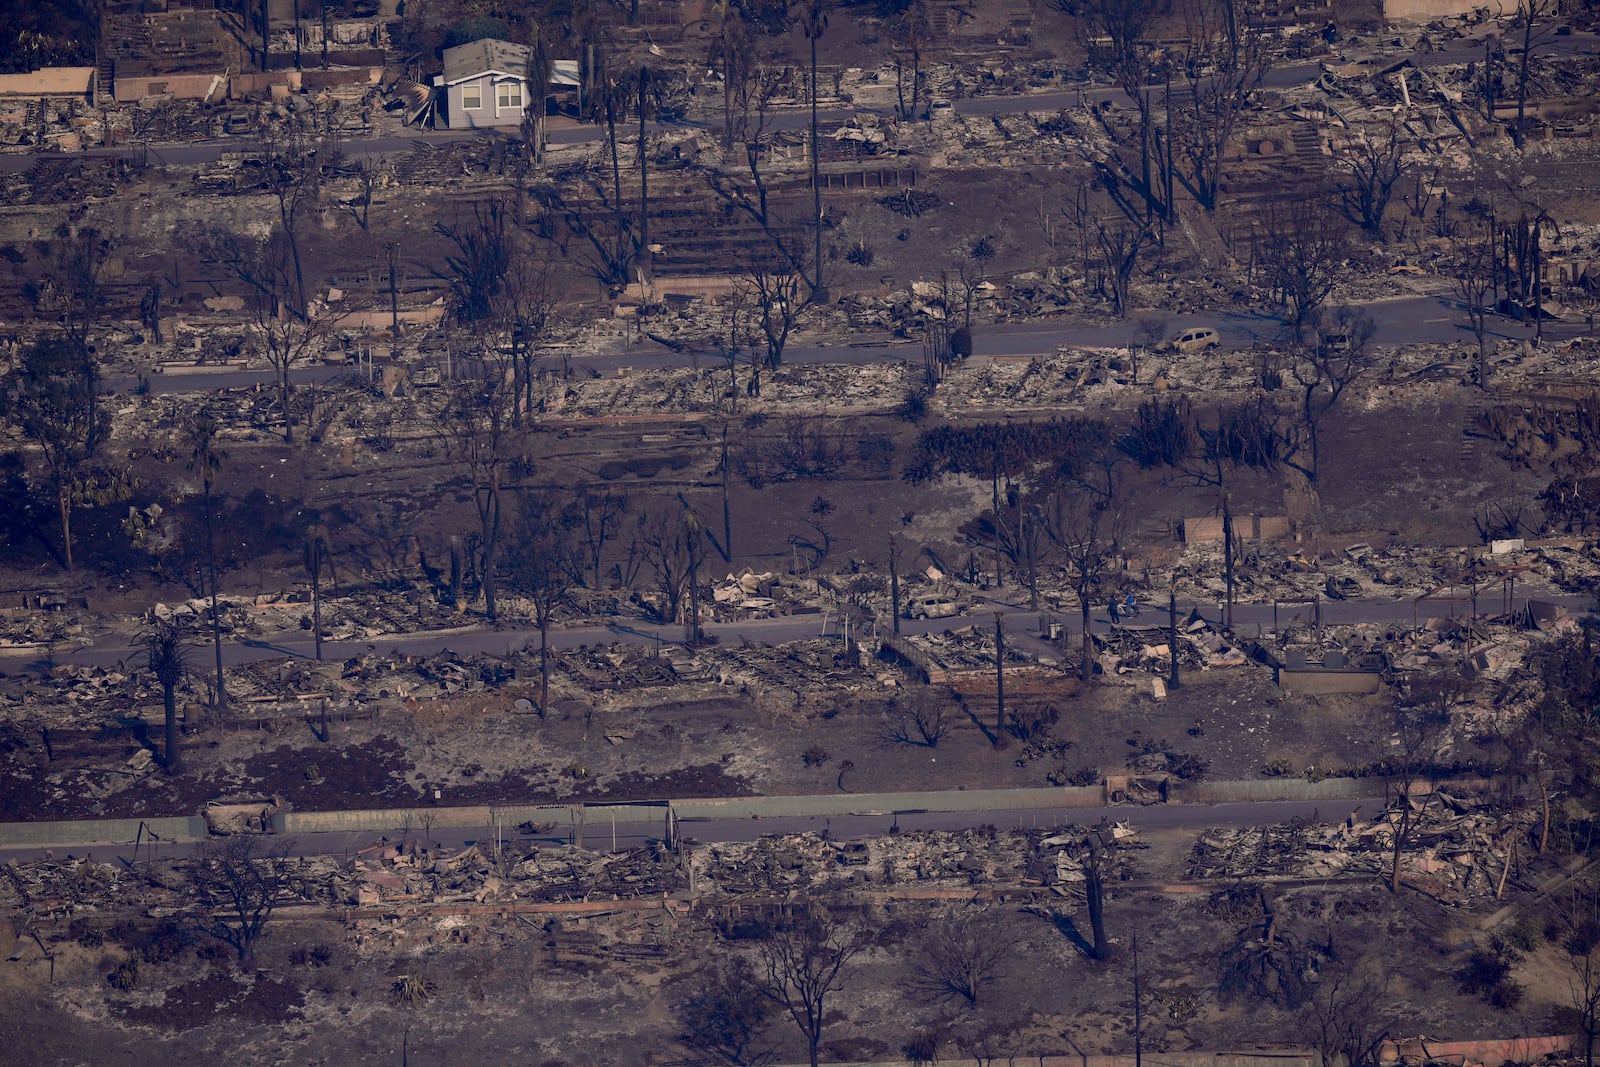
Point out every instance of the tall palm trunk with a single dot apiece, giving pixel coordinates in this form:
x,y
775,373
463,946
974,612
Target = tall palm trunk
x,y
216,619
169,698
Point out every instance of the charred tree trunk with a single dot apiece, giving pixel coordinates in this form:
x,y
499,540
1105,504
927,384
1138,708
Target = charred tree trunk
x,y
1086,671
172,758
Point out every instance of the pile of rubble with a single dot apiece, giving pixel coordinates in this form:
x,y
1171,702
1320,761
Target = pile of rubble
x,y
1267,570
520,869
46,622
1455,850
1146,646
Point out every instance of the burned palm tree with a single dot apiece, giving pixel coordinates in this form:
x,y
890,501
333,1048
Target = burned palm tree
x,y
207,459
169,664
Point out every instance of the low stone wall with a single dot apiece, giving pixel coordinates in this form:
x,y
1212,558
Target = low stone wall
x,y
101,831
1426,10
1325,682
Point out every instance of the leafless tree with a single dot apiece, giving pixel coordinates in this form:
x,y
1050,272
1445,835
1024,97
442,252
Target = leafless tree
x,y
964,952
666,545
1472,276
1119,245
726,1011
1268,960
745,190
475,268
1017,535
287,324
759,74
803,962
477,422
1117,32
1224,62
51,403
359,207
1325,369
814,23
730,53
294,177
239,882
919,716
74,273
540,564
1523,260
1577,924
1111,245
1505,517
1303,249
1087,532
1150,331
1348,1013
774,291
599,517
524,316
909,31
1369,171
1096,866
1419,718
1534,16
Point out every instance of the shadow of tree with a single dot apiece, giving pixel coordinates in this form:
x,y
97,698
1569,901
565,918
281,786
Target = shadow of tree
x,y
1069,929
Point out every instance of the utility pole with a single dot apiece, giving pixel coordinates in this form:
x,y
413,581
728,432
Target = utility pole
x,y
1227,561
1138,1010
894,578
999,681
816,21
1172,637
316,594
692,626
727,519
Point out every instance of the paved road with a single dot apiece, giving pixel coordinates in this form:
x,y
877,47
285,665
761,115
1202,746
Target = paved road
x,y
1398,321
1023,625
1450,52
599,835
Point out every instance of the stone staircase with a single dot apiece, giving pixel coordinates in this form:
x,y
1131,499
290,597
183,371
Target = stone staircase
x,y
1307,143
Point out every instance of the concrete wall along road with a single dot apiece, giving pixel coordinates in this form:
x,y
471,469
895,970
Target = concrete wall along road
x,y
1266,1058
888,803
593,817
101,831
509,818
1267,789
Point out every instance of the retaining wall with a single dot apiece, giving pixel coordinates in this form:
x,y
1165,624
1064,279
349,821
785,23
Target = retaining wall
x,y
594,816
1272,789
885,803
509,817
101,831
1266,1058
1426,10
1325,682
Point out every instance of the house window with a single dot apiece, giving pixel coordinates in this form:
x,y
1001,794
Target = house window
x,y
472,96
510,94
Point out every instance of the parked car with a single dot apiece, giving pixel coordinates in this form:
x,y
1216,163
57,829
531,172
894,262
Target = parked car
x,y
931,607
1194,339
